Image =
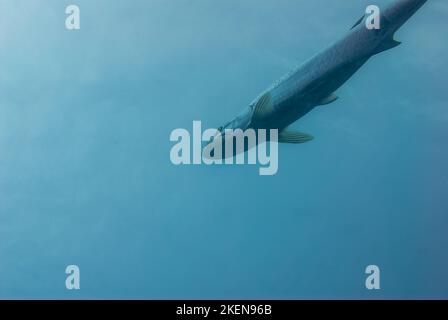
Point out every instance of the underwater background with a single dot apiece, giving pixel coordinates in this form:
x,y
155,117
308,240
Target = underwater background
x,y
86,177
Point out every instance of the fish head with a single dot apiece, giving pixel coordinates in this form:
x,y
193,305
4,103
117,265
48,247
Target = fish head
x,y
241,122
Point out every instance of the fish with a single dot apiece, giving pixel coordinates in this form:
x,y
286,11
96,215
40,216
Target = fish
x,y
315,82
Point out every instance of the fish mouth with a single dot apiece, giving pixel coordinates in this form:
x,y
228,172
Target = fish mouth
x,y
212,139
215,142
211,144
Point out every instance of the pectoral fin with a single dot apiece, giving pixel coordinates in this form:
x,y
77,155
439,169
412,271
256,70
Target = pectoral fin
x,y
263,106
291,136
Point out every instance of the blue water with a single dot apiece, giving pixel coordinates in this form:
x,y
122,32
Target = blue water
x,y
86,178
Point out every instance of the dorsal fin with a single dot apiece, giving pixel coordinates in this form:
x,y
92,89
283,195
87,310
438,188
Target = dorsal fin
x,y
358,22
263,106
